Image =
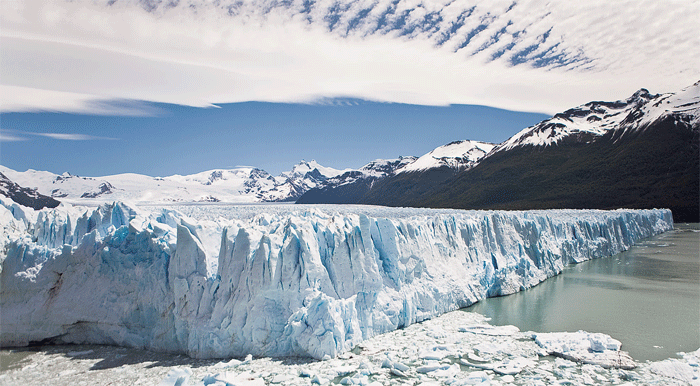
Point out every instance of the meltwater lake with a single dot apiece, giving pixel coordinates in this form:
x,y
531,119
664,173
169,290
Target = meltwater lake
x,y
647,297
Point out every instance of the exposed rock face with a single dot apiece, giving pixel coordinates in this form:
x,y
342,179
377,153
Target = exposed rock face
x,y
25,196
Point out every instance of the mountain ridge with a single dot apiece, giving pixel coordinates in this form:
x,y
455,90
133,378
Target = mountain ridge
x,y
641,152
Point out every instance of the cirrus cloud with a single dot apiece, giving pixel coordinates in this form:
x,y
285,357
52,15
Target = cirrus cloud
x,y
530,55
16,135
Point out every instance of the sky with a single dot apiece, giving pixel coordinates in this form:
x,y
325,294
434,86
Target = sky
x,y
98,87
174,139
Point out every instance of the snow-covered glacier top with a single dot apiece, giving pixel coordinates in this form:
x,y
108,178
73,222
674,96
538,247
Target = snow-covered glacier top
x,y
276,280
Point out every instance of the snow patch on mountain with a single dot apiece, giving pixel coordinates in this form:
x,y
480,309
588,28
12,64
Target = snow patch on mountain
x,y
460,155
276,280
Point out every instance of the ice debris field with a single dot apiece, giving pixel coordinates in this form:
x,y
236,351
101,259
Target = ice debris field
x,y
457,348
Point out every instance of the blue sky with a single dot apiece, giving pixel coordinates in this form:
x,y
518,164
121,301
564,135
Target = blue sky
x,y
272,136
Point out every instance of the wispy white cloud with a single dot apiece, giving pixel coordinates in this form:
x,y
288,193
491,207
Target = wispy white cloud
x,y
17,135
72,137
538,56
6,136
36,99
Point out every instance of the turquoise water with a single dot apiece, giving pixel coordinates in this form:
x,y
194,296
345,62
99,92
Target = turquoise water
x,y
647,297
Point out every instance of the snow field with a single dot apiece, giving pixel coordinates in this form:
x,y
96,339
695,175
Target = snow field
x,y
277,280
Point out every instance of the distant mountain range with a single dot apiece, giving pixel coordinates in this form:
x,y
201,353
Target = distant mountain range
x,y
351,187
240,185
641,152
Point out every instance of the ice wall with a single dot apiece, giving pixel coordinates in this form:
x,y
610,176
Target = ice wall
x,y
309,281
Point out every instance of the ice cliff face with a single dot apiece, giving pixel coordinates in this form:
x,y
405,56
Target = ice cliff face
x,y
276,280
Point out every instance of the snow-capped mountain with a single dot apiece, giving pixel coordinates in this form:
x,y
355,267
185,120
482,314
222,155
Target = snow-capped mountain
x,y
376,169
240,185
352,185
304,176
641,152
460,155
594,119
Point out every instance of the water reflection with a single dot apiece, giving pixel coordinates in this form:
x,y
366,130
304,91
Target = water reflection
x,y
647,297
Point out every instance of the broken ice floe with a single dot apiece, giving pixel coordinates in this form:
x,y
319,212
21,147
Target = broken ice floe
x,y
585,347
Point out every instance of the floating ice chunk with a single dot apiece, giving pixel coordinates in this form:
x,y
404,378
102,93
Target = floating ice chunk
x,y
512,366
234,379
476,358
399,366
431,367
447,371
491,330
435,353
231,363
585,347
79,353
282,378
478,378
397,372
504,367
492,348
686,370
602,342
387,363
344,370
176,377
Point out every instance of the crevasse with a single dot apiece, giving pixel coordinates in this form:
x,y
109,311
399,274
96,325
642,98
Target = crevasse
x,y
277,280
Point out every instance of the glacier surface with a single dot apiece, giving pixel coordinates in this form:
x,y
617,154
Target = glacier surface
x,y
276,280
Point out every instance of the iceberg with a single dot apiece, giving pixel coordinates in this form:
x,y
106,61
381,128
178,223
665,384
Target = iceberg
x,y
216,281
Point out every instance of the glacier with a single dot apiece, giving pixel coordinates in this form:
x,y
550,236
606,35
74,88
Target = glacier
x,y
215,281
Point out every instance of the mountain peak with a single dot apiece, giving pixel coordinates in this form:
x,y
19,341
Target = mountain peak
x,y
304,167
641,96
456,155
594,119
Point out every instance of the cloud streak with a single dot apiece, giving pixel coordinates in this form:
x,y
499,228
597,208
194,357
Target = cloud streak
x,y
531,55
9,137
73,137
15,136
